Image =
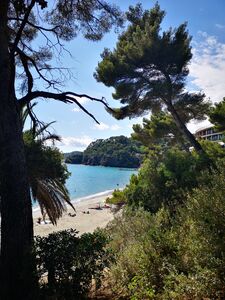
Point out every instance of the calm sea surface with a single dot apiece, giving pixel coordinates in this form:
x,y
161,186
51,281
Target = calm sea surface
x,y
88,180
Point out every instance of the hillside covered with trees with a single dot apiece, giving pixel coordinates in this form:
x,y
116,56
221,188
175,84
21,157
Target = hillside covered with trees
x,y
117,151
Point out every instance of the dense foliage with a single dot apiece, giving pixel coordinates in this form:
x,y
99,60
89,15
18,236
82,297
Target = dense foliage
x,y
159,257
170,169
169,241
75,157
160,130
118,151
217,115
118,198
70,263
163,180
166,176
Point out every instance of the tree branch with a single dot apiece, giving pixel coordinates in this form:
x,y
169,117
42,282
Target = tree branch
x,y
23,24
34,25
24,57
33,118
24,61
67,97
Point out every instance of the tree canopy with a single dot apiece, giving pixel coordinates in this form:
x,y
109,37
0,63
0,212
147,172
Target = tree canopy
x,y
159,130
148,70
54,24
217,115
32,34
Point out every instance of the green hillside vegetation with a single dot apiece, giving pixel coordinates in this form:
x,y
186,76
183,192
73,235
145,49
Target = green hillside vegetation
x,y
217,115
169,241
118,151
165,256
75,157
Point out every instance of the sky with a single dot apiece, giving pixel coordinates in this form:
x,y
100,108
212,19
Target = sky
x,y
206,25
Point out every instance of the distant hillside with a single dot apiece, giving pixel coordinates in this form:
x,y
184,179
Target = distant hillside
x,y
118,151
75,157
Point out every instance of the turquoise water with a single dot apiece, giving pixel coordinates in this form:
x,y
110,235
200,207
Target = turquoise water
x,y
88,180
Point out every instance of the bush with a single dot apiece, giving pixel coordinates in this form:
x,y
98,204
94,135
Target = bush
x,y
183,257
70,263
118,198
142,248
164,179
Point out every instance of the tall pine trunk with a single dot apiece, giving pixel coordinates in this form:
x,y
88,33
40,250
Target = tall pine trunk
x,y
16,262
183,129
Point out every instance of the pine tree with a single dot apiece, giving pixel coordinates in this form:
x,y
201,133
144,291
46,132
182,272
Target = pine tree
x,y
159,130
217,115
22,64
148,69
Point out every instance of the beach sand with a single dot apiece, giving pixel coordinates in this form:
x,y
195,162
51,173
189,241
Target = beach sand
x,y
83,222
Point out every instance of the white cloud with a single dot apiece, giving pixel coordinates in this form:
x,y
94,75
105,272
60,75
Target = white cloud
x,y
76,109
130,125
76,142
103,126
115,127
208,66
220,26
81,100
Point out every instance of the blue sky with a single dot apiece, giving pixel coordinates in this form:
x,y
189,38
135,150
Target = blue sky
x,y
206,24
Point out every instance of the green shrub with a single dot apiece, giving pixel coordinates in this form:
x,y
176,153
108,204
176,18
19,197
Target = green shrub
x,y
164,179
118,197
202,234
140,242
70,262
183,257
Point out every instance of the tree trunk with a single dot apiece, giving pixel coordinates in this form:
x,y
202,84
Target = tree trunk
x,y
16,261
181,126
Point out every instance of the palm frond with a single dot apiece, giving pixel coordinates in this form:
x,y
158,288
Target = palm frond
x,y
42,129
25,113
52,197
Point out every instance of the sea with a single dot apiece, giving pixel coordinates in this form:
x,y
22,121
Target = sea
x,y
91,181
86,182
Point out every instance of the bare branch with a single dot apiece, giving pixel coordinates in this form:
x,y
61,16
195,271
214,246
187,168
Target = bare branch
x,y
35,26
23,24
102,100
83,108
25,57
67,97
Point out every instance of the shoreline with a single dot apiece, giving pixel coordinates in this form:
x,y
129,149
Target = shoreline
x,y
125,168
90,214
74,201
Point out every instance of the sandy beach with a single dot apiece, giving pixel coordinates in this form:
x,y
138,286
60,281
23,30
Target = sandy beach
x,y
81,220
